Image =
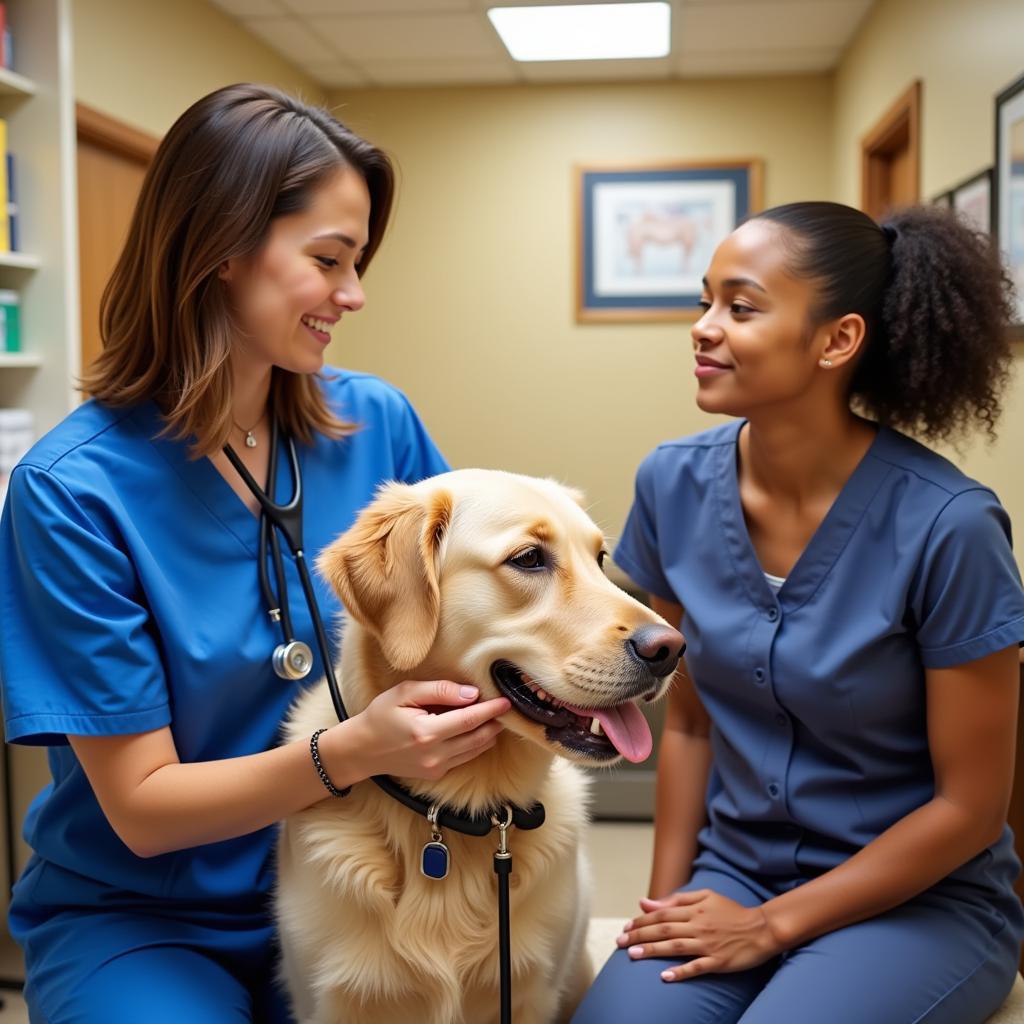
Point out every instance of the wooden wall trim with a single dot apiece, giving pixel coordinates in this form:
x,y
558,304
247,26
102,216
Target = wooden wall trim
x,y
102,130
901,121
906,108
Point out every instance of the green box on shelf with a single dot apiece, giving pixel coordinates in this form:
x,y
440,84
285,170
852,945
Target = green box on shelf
x,y
10,321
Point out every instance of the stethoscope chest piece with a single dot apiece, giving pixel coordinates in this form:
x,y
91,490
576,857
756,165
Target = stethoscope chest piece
x,y
292,660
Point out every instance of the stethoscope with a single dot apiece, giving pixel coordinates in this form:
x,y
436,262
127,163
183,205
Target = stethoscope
x,y
293,659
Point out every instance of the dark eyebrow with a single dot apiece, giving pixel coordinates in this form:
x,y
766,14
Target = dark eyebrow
x,y
336,236
737,282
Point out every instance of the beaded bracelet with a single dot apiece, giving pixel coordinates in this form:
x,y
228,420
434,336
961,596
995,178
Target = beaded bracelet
x,y
324,778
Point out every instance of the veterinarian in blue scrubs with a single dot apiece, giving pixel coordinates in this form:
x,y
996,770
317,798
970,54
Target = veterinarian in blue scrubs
x,y
830,838
136,643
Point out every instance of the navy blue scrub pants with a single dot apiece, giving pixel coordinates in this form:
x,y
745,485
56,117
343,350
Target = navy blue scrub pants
x,y
938,959
119,967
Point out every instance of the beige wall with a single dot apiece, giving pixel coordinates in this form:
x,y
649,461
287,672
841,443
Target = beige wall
x,y
964,52
144,62
471,301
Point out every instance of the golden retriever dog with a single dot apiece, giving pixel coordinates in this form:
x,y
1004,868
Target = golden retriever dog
x,y
494,579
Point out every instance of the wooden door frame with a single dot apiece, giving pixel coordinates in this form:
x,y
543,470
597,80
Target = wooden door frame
x,y
115,136
902,118
105,137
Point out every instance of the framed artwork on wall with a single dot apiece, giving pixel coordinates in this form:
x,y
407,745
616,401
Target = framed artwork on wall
x,y
1009,187
645,235
972,200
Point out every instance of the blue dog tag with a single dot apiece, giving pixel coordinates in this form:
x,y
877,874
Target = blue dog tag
x,y
434,860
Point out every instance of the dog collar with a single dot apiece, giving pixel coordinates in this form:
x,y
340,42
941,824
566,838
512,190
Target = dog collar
x,y
524,818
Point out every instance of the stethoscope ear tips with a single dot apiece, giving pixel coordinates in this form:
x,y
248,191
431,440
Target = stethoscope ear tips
x,y
293,660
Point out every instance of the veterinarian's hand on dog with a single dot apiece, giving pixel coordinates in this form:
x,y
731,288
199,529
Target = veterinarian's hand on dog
x,y
402,734
719,934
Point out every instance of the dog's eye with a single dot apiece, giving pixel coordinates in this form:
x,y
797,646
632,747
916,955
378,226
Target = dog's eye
x,y
601,556
531,558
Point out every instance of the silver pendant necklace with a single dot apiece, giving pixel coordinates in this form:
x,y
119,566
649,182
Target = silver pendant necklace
x,y
250,436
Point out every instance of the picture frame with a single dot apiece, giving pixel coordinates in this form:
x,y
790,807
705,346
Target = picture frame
x,y
972,200
645,234
1008,188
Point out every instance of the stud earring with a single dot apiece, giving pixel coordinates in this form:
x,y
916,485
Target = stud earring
x,y
826,362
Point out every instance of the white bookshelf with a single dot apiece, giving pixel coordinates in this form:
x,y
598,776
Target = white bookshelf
x,y
11,83
37,101
20,360
19,261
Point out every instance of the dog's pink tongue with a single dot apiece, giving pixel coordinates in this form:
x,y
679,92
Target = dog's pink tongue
x,y
626,727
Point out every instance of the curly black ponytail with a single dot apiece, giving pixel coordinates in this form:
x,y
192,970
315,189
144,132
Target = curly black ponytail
x,y
937,302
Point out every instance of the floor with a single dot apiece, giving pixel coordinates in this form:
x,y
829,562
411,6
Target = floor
x,y
620,856
620,860
13,1010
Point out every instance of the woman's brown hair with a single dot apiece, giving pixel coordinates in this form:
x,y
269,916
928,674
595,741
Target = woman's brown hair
x,y
233,162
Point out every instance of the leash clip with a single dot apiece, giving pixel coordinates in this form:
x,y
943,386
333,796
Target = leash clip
x,y
503,827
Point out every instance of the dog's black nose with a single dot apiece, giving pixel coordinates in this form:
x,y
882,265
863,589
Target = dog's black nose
x,y
658,647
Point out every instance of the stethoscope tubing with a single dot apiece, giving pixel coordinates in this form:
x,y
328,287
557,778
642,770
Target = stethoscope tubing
x,y
268,538
287,519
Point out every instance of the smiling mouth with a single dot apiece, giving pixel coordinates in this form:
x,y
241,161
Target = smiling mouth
x,y
319,328
601,734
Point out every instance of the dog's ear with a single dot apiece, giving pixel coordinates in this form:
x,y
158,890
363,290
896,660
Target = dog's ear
x,y
384,569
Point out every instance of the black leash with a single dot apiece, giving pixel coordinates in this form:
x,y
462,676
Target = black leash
x,y
503,868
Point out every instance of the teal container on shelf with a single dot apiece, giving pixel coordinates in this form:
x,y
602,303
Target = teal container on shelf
x,y
10,321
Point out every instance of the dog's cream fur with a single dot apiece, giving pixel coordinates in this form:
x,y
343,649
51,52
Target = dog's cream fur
x,y
430,593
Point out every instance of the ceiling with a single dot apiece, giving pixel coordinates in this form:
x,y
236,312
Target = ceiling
x,y
389,43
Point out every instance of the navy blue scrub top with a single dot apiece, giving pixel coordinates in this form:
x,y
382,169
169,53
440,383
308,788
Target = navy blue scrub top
x,y
130,601
817,694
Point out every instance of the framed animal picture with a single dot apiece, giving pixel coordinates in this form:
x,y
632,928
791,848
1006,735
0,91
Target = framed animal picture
x,y
646,234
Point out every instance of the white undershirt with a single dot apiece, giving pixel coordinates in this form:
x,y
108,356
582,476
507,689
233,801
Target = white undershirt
x,y
775,582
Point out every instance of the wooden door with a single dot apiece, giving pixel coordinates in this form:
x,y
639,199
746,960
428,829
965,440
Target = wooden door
x,y
890,160
112,161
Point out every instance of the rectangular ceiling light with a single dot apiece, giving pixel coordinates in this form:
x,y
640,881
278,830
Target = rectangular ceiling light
x,y
584,31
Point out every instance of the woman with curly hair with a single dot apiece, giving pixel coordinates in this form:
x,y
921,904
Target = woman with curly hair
x,y
830,836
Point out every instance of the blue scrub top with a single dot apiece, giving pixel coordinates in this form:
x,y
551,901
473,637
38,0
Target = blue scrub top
x,y
130,601
817,693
